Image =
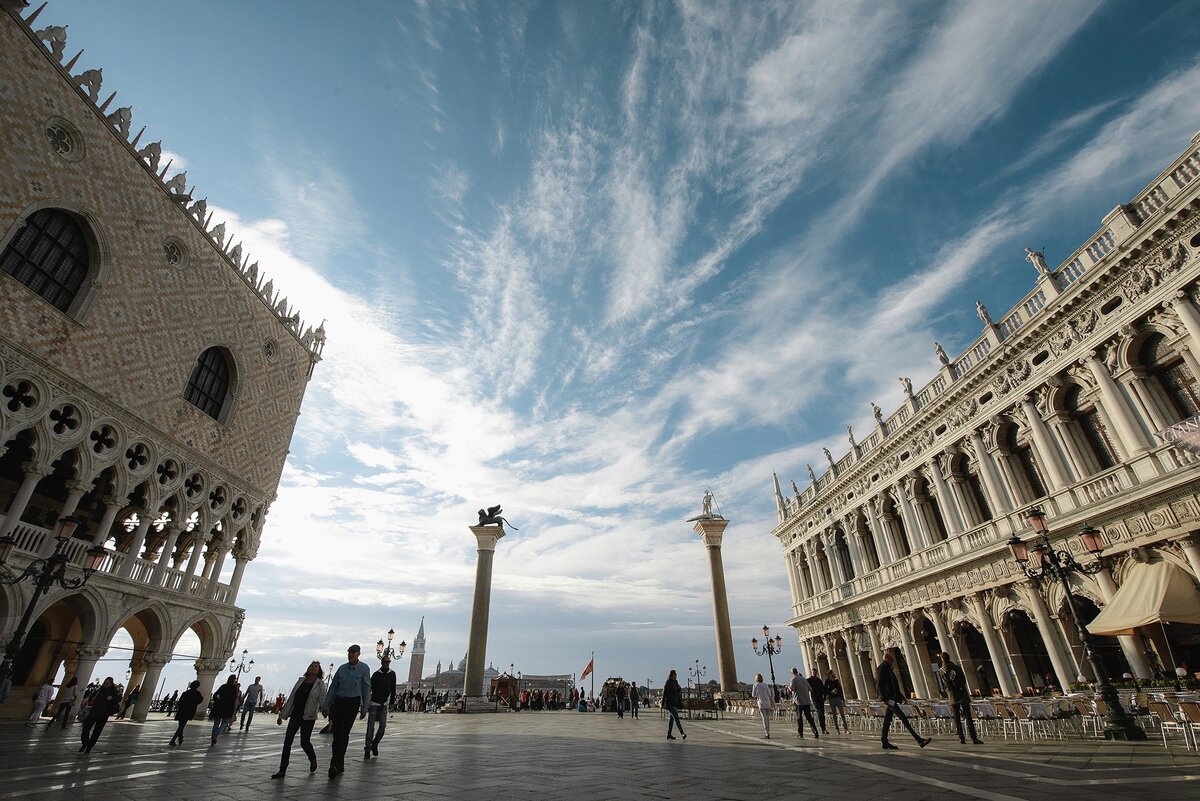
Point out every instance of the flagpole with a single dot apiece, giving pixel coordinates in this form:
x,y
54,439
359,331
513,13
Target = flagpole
x,y
593,664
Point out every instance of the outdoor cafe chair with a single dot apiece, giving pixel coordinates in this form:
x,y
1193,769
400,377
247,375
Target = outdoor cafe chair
x,y
1168,722
1190,710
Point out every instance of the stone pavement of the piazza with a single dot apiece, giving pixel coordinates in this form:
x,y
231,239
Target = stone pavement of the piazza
x,y
542,756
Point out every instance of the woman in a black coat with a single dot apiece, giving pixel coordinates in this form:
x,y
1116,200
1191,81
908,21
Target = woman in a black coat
x,y
224,704
185,710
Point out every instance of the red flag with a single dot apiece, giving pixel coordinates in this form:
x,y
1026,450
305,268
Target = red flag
x,y
587,669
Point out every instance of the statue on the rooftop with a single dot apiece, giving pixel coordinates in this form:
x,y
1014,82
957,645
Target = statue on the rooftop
x,y
875,410
941,353
90,81
850,436
811,475
152,153
56,37
828,456
491,516
795,489
1038,259
982,311
906,382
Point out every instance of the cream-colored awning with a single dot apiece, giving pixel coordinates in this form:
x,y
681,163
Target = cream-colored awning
x,y
1156,592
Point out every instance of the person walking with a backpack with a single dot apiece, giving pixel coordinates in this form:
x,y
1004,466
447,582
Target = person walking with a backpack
x,y
224,704
104,703
959,697
802,698
185,709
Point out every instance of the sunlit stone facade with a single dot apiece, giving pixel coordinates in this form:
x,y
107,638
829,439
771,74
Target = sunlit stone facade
x,y
151,380
900,544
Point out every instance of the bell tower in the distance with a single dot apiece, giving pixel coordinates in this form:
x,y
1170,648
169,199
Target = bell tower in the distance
x,y
417,661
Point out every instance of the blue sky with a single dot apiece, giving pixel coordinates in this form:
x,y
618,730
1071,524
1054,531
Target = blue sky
x,y
588,260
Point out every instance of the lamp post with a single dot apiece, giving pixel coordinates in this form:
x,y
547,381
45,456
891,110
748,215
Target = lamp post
x,y
695,673
770,648
238,668
45,573
1040,559
387,651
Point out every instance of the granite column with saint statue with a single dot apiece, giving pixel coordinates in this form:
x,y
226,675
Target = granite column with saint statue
x,y
711,528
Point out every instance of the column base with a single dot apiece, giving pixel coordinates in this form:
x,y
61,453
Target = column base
x,y
476,703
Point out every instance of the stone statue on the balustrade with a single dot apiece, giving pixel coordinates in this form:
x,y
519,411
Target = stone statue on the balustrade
x,y
1038,259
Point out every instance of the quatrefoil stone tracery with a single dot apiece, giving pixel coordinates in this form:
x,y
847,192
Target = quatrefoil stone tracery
x,y
21,395
66,419
194,485
167,471
136,457
103,439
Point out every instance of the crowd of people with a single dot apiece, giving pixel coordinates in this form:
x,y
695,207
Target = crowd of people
x,y
354,690
811,696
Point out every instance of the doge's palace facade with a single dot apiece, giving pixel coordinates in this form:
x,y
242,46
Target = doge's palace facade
x,y
151,378
901,543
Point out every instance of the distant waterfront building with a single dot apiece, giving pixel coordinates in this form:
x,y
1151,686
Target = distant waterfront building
x,y
151,379
901,544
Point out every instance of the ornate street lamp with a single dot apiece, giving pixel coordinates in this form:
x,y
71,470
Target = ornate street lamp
x,y
695,673
770,648
238,669
45,573
1039,559
387,651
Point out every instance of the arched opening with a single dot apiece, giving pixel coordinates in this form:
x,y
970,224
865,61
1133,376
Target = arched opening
x,y
1031,660
976,661
903,672
841,668
52,641
1108,649
867,540
929,510
1024,472
928,649
965,475
823,563
1090,432
806,573
894,520
841,552
1172,382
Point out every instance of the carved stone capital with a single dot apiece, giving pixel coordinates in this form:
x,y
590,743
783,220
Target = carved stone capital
x,y
91,652
213,666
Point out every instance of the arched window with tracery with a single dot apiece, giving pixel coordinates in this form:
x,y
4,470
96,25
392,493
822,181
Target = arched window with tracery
x,y
1167,369
208,385
50,255
1091,428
